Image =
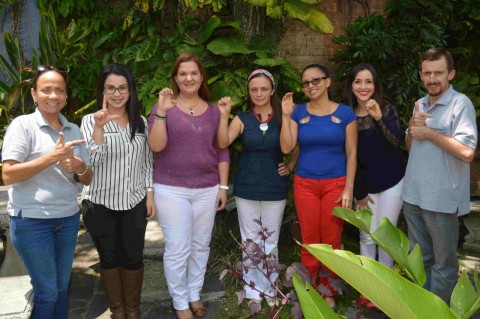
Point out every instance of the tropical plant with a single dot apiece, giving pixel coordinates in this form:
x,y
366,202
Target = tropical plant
x,y
395,295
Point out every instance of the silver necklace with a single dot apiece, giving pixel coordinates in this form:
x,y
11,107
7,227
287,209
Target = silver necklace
x,y
191,112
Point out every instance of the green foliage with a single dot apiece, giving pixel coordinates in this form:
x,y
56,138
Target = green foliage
x,y
391,239
393,43
313,305
296,9
395,295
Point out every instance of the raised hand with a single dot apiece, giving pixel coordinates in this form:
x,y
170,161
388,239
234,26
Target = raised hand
x,y
225,106
417,128
102,117
419,118
373,109
166,101
287,104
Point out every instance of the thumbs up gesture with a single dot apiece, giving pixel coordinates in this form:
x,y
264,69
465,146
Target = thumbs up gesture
x,y
417,126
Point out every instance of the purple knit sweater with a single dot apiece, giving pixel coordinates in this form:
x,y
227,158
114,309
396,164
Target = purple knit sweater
x,y
191,156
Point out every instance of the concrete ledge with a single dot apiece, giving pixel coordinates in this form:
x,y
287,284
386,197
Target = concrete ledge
x,y
17,298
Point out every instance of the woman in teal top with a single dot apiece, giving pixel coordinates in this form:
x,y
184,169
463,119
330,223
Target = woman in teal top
x,y
261,184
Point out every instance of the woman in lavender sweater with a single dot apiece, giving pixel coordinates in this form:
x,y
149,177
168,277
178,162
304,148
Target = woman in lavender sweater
x,y
190,180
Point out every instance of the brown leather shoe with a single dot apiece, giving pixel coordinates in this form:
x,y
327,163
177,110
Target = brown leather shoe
x,y
132,288
112,285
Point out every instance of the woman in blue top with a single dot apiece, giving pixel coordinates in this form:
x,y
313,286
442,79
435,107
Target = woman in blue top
x,y
261,185
327,137
380,161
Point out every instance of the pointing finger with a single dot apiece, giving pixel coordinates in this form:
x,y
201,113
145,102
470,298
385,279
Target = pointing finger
x,y
104,103
76,142
417,107
61,139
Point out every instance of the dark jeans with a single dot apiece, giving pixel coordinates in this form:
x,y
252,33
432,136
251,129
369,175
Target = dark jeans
x,y
119,236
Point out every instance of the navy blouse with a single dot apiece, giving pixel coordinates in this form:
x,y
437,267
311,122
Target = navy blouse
x,y
380,160
257,175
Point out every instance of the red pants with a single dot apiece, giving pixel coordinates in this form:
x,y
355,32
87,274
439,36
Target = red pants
x,y
314,201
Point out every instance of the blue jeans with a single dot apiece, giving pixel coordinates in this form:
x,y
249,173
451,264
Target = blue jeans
x,y
437,235
47,247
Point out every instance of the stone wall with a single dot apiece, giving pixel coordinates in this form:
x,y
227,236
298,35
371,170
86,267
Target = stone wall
x,y
301,45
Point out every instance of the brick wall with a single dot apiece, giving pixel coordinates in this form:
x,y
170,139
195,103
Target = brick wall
x,y
301,46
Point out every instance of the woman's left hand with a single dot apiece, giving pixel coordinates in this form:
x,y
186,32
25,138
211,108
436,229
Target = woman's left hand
x,y
150,205
373,109
283,169
346,198
221,200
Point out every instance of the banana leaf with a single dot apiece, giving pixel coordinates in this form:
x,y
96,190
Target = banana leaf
x,y
396,296
313,305
390,239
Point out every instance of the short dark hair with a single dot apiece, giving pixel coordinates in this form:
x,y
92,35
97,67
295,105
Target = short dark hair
x,y
435,54
133,104
41,69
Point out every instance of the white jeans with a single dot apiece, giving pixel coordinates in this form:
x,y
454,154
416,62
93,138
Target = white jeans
x,y
187,216
270,213
387,204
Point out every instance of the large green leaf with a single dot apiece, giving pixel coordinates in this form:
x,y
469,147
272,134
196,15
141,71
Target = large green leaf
x,y
297,9
208,28
148,49
465,299
14,50
228,46
275,12
313,305
7,68
220,89
389,238
394,295
319,22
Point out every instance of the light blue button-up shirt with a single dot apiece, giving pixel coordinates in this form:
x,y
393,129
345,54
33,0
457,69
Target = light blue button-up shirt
x,y
52,193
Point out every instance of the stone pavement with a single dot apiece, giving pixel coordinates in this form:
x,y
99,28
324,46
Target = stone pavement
x,y
88,300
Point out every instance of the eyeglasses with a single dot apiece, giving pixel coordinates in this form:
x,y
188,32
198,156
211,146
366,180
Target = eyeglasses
x,y
110,89
315,81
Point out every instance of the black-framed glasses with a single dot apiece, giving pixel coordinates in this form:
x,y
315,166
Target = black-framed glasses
x,y
315,81
122,89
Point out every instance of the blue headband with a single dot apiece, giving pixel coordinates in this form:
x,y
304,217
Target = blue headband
x,y
264,72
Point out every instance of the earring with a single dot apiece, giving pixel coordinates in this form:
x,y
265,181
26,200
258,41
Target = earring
x,y
35,103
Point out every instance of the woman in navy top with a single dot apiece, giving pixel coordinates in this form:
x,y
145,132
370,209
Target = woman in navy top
x,y
380,161
261,184
327,137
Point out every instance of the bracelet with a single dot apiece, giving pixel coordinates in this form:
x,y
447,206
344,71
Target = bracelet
x,y
225,187
149,189
159,117
80,174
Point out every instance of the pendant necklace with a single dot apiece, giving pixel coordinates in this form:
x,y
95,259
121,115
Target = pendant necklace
x,y
191,112
263,124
